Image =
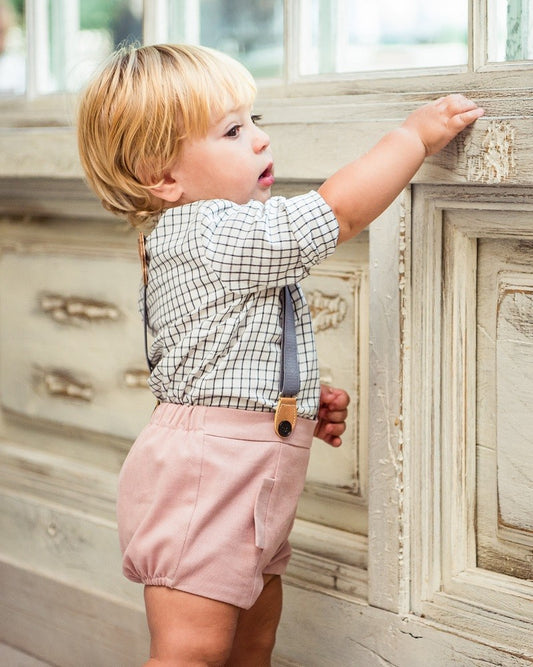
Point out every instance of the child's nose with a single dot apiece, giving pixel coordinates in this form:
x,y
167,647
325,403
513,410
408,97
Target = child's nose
x,y
261,140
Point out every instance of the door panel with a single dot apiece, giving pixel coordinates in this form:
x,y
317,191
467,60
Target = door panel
x,y
472,428
505,402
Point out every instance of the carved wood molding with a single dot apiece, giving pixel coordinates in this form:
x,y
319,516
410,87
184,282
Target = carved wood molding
x,y
63,384
327,311
136,378
75,310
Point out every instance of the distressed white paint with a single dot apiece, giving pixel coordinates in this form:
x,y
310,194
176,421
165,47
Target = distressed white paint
x,y
388,558
494,160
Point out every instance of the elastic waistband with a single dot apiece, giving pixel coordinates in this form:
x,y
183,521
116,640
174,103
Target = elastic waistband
x,y
231,423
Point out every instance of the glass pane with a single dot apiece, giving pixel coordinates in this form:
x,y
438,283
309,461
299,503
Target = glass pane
x,y
12,48
510,26
78,35
250,31
358,35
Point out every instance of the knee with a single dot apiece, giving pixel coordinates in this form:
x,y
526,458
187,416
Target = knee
x,y
214,653
186,629
207,651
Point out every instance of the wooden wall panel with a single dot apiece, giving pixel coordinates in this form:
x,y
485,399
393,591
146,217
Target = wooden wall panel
x,y
505,398
469,567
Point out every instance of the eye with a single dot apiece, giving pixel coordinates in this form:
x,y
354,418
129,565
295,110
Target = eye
x,y
256,118
233,131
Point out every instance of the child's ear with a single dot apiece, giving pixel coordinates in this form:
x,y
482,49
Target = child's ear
x,y
168,189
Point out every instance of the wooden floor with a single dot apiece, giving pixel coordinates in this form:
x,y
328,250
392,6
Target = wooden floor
x,y
10,657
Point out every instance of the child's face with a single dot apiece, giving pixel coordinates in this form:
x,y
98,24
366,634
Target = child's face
x,y
232,162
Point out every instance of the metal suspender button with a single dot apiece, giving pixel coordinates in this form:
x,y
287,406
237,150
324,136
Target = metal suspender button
x,y
285,417
284,429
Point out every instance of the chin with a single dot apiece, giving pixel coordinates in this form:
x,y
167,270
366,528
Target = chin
x,y
263,196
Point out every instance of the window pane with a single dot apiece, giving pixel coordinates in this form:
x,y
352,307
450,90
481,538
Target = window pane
x,y
74,37
12,48
510,26
250,31
358,35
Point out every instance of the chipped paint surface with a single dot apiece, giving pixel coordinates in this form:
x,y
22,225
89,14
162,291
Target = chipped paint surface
x,y
403,249
494,161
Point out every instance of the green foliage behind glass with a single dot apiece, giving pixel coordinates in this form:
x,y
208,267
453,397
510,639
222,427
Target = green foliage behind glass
x,y
93,13
18,6
97,13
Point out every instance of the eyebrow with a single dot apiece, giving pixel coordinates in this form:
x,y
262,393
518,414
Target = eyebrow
x,y
224,118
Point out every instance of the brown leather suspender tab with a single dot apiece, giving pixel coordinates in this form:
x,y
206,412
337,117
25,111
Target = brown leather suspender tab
x,y
285,416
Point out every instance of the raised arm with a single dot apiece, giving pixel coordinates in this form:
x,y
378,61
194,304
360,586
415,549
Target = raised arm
x,y
363,189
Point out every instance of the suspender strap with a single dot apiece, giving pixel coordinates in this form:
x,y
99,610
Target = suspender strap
x,y
289,384
285,417
144,266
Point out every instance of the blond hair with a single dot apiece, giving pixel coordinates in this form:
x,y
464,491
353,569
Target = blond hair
x,y
137,110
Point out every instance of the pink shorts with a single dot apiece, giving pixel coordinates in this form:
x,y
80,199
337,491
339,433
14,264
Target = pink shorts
x,y
207,499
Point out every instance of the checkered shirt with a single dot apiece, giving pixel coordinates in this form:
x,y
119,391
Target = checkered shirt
x,y
215,272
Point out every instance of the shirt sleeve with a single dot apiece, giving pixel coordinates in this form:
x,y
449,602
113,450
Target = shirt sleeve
x,y
256,246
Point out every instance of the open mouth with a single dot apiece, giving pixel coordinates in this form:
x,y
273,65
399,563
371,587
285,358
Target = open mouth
x,y
266,179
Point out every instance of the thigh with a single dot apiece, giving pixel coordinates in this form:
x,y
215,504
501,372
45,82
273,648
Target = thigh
x,y
187,629
255,635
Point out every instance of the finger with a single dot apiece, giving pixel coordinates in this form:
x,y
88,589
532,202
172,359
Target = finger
x,y
334,441
462,120
341,400
450,104
455,104
326,430
459,102
322,431
335,429
333,415
337,399
327,415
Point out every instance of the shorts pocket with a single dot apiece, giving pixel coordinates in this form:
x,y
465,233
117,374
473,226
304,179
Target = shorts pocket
x,y
261,511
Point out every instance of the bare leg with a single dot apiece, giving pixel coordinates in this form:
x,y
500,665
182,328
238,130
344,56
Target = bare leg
x,y
188,630
256,629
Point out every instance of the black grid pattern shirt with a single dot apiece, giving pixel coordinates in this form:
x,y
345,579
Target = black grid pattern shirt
x,y
215,272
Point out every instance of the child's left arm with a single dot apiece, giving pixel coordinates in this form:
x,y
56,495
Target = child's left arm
x,y
364,188
332,415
